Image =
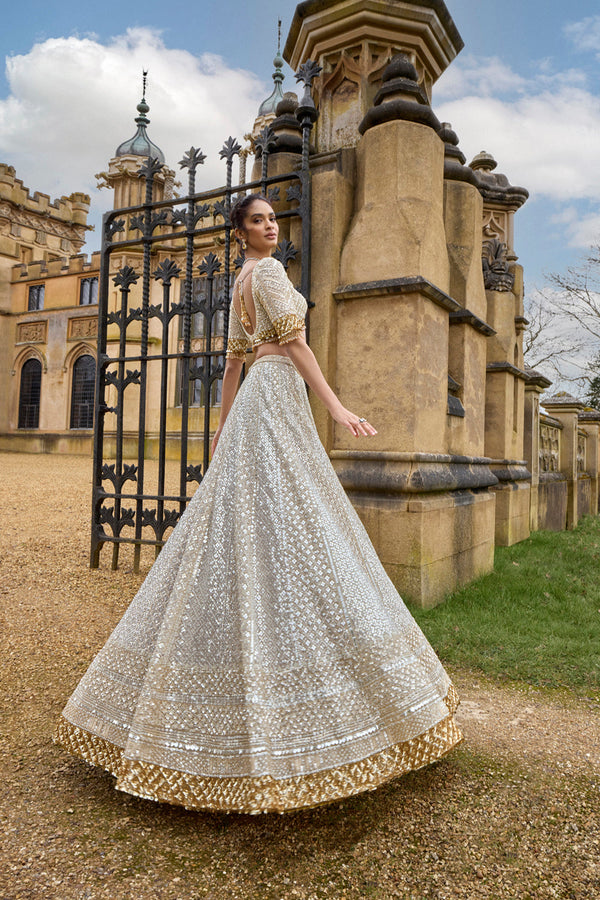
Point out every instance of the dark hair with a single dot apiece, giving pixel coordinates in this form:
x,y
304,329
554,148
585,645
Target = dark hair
x,y
240,208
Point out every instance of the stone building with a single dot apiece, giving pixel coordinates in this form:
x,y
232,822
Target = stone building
x,y
418,306
48,292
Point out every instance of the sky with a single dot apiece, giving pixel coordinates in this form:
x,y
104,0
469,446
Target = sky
x,y
526,88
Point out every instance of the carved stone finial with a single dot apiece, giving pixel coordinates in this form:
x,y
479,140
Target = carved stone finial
x,y
454,158
496,187
286,127
483,161
400,97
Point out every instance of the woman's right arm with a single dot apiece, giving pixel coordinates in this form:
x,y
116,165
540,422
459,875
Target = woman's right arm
x,y
231,383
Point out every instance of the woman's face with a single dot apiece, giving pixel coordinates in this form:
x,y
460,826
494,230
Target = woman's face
x,y
260,228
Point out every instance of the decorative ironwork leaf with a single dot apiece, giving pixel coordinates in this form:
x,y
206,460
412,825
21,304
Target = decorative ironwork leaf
x,y
294,192
150,168
217,373
209,265
201,213
230,149
135,315
198,372
192,158
155,312
136,223
149,518
273,195
308,71
239,262
170,518
285,252
166,271
194,473
108,473
125,277
220,209
107,516
179,217
113,228
114,318
266,139
159,218
131,378
127,518
129,473
112,378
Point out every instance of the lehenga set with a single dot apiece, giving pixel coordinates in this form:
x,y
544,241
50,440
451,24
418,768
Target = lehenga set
x,y
267,662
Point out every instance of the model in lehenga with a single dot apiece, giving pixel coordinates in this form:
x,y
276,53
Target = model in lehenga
x,y
267,663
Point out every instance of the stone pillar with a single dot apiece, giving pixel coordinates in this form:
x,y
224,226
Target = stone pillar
x,y
505,383
427,509
381,285
566,409
535,385
590,420
469,332
354,41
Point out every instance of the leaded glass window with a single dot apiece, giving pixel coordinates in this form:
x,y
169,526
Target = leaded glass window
x,y
29,394
82,392
88,291
35,298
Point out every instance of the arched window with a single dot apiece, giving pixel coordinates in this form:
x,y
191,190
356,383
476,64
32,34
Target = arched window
x,y
29,394
82,392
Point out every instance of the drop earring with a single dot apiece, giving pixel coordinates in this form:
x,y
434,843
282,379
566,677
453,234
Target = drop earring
x,y
244,245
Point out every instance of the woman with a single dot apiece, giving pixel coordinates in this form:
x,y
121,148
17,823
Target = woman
x,y
267,662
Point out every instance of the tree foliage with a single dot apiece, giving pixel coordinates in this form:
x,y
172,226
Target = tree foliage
x,y
562,339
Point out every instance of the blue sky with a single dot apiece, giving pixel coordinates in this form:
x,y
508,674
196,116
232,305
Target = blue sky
x,y
526,88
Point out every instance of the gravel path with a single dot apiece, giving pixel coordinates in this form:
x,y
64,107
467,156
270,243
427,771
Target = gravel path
x,y
513,813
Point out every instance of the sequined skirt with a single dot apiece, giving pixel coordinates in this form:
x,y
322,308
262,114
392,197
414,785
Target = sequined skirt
x,y
267,662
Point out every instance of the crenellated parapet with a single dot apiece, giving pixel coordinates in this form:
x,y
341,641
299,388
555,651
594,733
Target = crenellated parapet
x,y
42,269
33,224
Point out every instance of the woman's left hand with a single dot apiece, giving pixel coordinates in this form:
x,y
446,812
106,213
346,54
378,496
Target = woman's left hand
x,y
357,425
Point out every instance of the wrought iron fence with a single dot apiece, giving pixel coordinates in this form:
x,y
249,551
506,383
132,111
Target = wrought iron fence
x,y
175,347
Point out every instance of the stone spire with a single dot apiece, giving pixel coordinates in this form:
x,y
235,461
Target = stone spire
x,y
122,175
140,144
268,107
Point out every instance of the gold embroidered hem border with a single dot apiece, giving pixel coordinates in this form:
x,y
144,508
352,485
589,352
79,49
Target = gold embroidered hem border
x,y
264,793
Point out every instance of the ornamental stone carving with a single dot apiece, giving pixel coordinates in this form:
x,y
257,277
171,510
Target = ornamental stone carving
x,y
82,327
549,447
32,332
496,272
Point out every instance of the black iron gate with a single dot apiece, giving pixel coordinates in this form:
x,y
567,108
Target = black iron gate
x,y
170,354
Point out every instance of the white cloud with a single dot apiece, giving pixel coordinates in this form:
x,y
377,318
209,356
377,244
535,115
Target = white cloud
x,y
585,34
544,131
474,75
548,141
72,102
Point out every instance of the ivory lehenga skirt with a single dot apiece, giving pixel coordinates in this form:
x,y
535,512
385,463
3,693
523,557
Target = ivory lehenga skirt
x,y
267,663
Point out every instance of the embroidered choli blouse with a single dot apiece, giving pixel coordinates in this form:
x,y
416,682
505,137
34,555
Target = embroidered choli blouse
x,y
280,310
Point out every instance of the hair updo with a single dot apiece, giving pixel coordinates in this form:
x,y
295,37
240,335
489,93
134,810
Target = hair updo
x,y
241,206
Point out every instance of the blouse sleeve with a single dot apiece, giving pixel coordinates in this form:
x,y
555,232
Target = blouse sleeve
x,y
279,299
237,339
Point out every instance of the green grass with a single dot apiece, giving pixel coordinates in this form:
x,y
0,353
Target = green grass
x,y
536,618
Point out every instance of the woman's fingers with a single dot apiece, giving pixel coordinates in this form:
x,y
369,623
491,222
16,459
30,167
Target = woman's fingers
x,y
360,427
